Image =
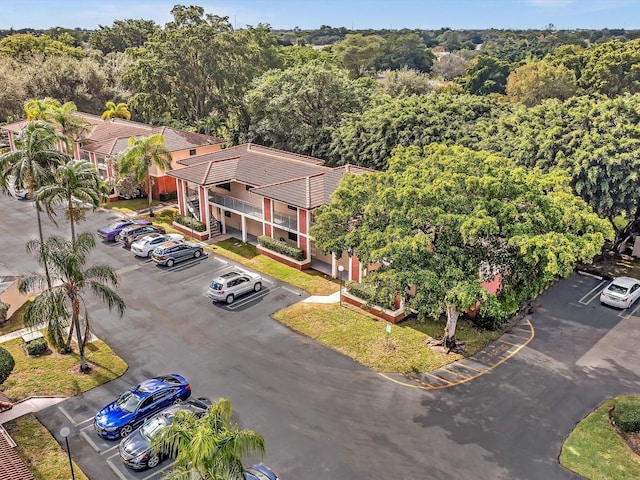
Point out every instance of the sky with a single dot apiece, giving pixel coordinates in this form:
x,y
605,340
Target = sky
x,y
352,14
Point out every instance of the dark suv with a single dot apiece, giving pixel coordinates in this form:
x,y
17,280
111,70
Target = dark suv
x,y
130,234
171,253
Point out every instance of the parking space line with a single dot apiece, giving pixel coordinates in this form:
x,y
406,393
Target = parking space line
x,y
177,267
584,300
116,470
249,298
624,315
159,471
292,291
90,441
194,278
64,412
127,269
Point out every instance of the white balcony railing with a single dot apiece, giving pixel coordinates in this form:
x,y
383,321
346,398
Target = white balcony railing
x,y
236,204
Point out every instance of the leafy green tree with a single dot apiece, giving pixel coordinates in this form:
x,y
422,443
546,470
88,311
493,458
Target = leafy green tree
x,y
443,218
116,110
485,75
296,109
122,34
367,139
359,53
32,164
450,40
141,154
198,66
39,109
67,261
75,180
405,51
21,46
207,448
612,68
536,81
298,55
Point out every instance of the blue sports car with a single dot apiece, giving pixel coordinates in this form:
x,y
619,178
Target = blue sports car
x,y
260,472
112,231
121,417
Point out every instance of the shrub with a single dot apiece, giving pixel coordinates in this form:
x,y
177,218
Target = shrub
x,y
198,226
166,196
6,364
492,315
36,347
282,247
166,215
4,308
360,290
626,414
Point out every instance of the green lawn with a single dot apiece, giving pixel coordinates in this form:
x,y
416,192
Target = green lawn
x,y
363,337
56,374
595,451
314,282
39,450
15,322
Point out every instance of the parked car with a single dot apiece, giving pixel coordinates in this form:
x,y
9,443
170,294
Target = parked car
x,y
130,234
111,231
130,409
135,450
621,292
227,287
174,252
145,245
260,472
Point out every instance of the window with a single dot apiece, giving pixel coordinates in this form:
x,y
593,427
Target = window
x,y
293,236
291,207
225,186
192,152
227,213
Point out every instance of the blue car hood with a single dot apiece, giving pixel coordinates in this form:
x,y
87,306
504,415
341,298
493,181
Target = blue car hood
x,y
112,416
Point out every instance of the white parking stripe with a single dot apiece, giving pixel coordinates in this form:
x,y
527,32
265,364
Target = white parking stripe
x,y
624,314
249,298
116,470
90,441
597,289
64,412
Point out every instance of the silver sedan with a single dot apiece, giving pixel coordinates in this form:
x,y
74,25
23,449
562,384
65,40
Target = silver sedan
x,y
144,246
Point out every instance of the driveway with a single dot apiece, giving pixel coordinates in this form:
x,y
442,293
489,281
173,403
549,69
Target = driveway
x,y
324,416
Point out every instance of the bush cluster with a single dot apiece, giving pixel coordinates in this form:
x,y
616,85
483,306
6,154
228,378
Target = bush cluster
x,y
166,215
36,347
4,308
166,196
626,414
198,226
6,364
360,290
282,247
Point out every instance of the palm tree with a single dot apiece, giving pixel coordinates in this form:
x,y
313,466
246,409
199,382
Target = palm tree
x,y
40,109
207,448
141,154
73,127
73,180
116,110
67,260
33,163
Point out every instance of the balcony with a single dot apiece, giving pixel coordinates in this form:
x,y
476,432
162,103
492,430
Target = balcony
x,y
236,205
285,221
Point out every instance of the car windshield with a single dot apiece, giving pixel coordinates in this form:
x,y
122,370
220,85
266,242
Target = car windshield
x,y
617,289
128,402
216,286
153,425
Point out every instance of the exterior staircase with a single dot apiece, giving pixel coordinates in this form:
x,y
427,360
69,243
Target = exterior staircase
x,y
214,228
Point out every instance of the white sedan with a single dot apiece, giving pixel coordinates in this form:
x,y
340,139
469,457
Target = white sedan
x,y
144,246
621,292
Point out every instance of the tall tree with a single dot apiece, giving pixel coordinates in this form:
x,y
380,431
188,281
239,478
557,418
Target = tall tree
x,y
485,75
141,154
406,50
67,261
116,110
75,180
534,82
445,218
73,128
40,109
121,35
32,164
207,448
359,53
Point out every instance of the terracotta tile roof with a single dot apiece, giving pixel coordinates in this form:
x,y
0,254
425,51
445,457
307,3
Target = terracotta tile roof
x,y
249,164
11,466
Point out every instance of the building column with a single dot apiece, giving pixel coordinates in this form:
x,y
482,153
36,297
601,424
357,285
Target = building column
x,y
303,240
181,198
223,221
243,223
267,216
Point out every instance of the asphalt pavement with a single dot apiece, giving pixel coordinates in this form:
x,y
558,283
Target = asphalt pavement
x,y
324,416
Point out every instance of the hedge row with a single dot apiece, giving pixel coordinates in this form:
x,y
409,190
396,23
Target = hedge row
x,y
282,247
166,196
6,364
360,290
198,226
626,414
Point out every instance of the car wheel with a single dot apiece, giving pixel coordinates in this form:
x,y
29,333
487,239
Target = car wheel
x,y
118,238
153,461
229,299
125,431
257,287
197,253
170,263
177,401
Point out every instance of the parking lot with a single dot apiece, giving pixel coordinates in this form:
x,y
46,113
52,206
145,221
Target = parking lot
x,y
323,416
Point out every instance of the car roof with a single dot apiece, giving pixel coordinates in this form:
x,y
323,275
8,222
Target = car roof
x,y
260,472
157,383
625,281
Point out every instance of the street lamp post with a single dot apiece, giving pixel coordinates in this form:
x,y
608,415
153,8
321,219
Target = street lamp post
x,y
193,217
340,270
64,431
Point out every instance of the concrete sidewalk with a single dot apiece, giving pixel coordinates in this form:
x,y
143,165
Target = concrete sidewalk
x,y
30,405
333,298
